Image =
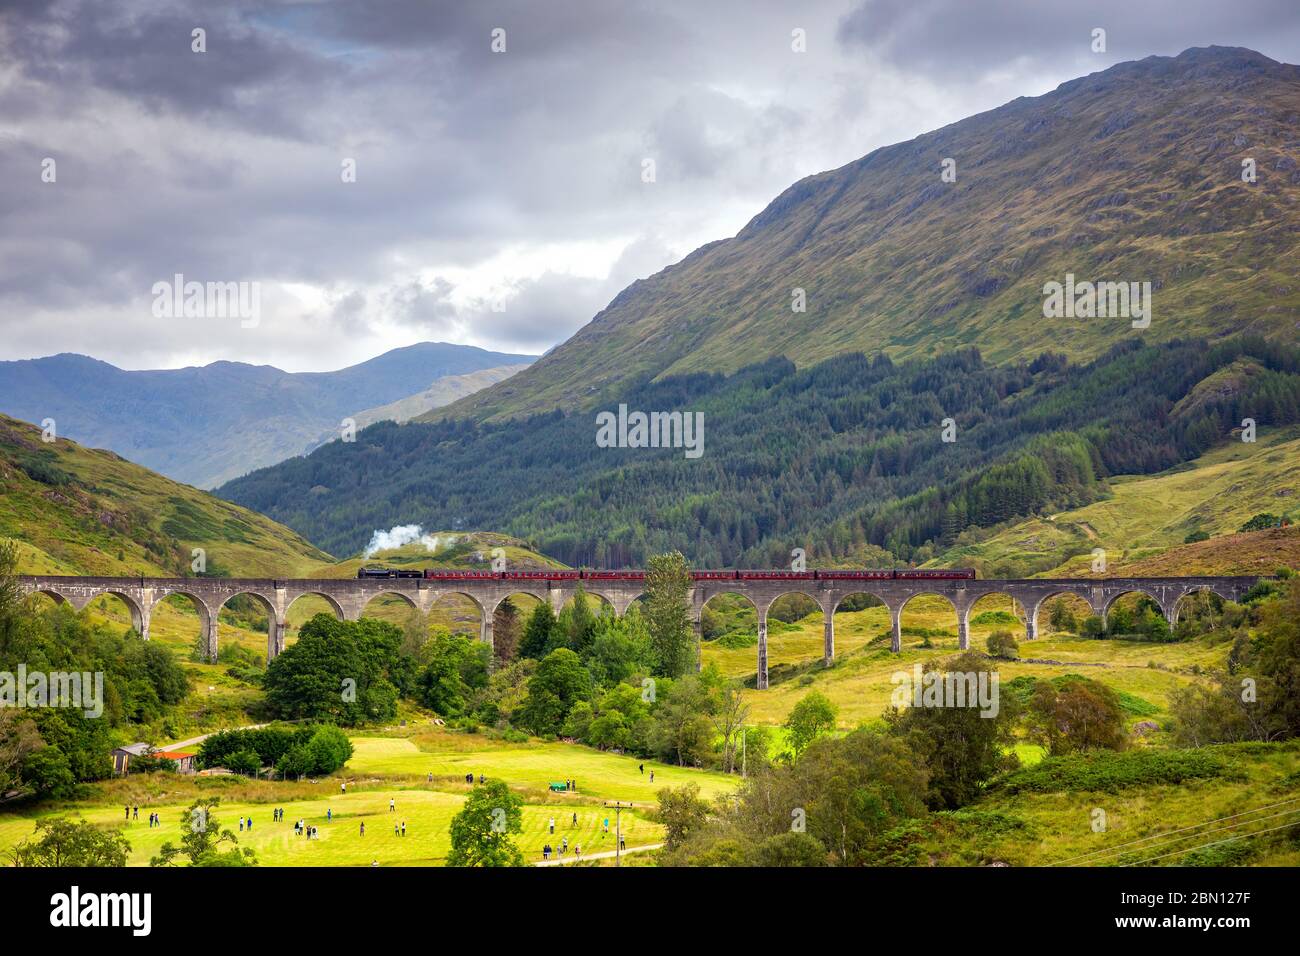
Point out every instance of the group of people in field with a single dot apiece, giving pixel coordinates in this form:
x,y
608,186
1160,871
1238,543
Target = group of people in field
x,y
312,832
548,850
133,813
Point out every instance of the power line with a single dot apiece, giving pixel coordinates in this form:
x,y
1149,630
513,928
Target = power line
x,y
1202,846
1170,833
618,829
1194,836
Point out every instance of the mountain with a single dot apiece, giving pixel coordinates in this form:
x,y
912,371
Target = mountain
x,y
841,458
1131,174
76,510
442,391
203,426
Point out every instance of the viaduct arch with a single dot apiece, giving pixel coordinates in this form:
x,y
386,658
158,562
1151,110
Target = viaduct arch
x,y
349,597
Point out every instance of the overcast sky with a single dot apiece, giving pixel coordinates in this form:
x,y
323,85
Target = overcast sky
x,y
499,197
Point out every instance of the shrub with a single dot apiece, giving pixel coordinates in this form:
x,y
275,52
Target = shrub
x,y
1261,521
244,761
1109,771
329,749
1002,644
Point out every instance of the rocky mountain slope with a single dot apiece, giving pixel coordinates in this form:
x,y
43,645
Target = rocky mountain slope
x,y
1133,174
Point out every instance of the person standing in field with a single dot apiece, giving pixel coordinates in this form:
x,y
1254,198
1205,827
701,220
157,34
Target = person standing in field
x,y
363,827
552,824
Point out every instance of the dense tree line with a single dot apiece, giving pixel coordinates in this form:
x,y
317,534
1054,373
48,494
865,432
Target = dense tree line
x,y
621,683
292,751
831,458
50,749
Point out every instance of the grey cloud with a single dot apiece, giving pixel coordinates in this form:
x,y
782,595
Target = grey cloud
x,y
957,38
225,166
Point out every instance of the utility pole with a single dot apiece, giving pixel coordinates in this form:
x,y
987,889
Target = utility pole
x,y
619,807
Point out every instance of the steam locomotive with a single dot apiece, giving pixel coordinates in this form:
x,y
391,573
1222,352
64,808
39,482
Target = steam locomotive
x,y
887,574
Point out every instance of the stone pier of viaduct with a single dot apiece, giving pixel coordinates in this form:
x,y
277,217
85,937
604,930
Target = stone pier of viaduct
x,y
349,597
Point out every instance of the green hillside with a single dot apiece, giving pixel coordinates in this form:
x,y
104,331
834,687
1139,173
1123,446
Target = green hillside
x,y
78,510
1132,174
845,458
1144,521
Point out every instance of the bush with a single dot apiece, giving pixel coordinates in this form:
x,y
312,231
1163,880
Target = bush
x,y
1225,854
244,761
1261,521
1002,644
987,618
329,749
1109,771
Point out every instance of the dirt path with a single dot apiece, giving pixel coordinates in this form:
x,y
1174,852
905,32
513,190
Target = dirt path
x,y
603,855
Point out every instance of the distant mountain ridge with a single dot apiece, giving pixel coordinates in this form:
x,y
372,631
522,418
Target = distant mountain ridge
x,y
205,425
1130,174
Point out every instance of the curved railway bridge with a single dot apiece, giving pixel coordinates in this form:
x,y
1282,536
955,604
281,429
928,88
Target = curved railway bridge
x,y
349,597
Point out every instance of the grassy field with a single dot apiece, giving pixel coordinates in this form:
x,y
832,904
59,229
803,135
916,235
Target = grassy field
x,y
530,766
397,768
427,814
859,681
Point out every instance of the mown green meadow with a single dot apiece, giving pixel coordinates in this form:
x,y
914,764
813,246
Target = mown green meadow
x,y
396,768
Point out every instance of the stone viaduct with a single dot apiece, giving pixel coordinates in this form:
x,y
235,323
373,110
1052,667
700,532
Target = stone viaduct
x,y
350,596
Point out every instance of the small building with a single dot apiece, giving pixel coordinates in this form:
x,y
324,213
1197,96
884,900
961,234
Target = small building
x,y
184,761
122,756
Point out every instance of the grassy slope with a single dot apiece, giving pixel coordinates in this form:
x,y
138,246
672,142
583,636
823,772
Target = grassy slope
x,y
1130,174
111,507
1150,516
1140,821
